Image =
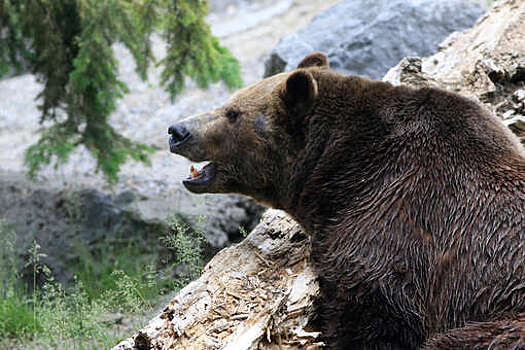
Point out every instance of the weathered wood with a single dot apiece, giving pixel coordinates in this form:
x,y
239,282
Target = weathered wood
x,y
259,294
256,293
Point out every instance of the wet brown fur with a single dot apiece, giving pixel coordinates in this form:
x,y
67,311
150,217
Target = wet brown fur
x,y
414,198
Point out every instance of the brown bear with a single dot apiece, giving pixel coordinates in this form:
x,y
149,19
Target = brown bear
x,y
414,198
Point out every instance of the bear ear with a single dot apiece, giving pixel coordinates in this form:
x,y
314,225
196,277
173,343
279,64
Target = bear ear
x,y
299,93
316,59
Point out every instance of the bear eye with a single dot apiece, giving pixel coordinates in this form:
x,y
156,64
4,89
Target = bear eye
x,y
232,115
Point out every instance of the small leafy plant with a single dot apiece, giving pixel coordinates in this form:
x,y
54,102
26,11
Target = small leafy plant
x,y
186,247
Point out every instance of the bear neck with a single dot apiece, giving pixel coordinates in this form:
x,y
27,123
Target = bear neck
x,y
343,182
339,160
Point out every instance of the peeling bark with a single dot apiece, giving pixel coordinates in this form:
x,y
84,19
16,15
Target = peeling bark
x,y
259,294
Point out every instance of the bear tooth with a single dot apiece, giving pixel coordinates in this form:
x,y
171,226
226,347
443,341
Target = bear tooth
x,y
194,173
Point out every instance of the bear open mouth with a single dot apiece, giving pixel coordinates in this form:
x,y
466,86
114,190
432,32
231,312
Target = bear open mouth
x,y
199,181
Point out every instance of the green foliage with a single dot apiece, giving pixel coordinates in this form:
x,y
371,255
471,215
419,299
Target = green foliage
x,y
187,250
8,271
55,318
127,277
16,312
16,317
53,142
14,50
67,45
119,280
37,268
129,292
243,231
192,51
70,320
112,265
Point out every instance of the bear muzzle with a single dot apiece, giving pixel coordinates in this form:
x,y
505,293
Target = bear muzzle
x,y
186,139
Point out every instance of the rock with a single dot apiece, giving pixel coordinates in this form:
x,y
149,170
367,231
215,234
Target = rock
x,y
369,37
70,224
217,6
517,125
519,95
221,224
247,16
408,71
508,114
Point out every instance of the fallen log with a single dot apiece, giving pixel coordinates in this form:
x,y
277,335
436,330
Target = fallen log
x,y
257,293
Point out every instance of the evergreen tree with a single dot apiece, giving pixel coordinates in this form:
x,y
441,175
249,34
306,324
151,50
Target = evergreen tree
x,y
67,45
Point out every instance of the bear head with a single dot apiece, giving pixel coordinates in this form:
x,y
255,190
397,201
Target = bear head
x,y
251,141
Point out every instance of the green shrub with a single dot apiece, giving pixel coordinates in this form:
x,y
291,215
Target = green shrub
x,y
98,268
70,320
186,247
16,313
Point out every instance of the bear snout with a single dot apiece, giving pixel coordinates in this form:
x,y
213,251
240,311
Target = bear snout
x,y
187,139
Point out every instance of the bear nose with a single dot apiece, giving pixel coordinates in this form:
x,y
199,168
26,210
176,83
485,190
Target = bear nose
x,y
178,132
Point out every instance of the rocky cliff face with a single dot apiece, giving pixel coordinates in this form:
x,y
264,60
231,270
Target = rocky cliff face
x,y
486,63
70,222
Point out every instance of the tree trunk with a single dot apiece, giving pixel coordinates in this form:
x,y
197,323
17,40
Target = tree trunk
x,y
259,294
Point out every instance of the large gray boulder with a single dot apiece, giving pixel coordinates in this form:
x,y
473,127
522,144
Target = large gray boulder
x,y
369,37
